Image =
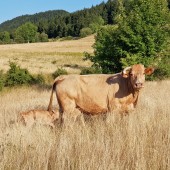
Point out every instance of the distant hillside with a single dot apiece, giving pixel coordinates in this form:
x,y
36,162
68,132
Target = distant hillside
x,y
11,25
59,23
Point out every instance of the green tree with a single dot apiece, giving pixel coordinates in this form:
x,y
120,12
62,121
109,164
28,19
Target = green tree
x,y
5,37
41,37
139,36
98,22
26,33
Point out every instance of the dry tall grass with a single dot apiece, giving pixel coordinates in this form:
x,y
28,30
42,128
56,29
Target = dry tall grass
x,y
140,141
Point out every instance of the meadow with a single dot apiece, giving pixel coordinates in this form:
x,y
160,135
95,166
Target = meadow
x,y
140,141
46,57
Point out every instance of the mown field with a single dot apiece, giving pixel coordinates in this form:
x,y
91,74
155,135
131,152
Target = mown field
x,y
140,141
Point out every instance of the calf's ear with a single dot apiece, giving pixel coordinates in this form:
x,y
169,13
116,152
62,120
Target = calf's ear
x,y
125,72
149,70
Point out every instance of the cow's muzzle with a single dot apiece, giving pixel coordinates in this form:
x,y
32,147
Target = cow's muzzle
x,y
138,85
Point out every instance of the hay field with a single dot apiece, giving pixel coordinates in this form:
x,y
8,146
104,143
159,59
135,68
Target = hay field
x,y
46,57
140,141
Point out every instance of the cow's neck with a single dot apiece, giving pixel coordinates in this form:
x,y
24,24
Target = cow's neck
x,y
134,93
135,97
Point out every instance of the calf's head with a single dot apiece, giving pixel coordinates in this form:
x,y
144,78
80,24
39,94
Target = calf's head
x,y
136,75
55,115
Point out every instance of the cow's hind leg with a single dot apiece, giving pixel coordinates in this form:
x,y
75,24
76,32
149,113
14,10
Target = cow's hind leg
x,y
70,112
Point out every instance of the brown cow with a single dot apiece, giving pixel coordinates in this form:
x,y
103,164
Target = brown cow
x,y
94,94
44,117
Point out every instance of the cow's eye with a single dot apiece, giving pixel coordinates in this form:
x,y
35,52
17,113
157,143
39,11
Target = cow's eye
x,y
131,74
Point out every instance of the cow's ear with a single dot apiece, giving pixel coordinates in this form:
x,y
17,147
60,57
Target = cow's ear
x,y
149,70
125,72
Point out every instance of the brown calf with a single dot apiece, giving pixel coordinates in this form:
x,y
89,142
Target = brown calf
x,y
44,117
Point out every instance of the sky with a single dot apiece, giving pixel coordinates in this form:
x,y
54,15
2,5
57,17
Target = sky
x,y
10,9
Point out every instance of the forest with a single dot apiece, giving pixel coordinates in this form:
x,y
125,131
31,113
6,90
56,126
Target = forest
x,y
58,23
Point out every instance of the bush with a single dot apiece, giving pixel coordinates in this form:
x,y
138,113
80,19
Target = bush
x,y
90,70
84,32
54,62
17,76
163,69
41,37
58,72
39,79
66,38
1,80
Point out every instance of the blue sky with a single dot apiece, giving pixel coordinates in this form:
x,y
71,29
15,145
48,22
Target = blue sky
x,y
10,9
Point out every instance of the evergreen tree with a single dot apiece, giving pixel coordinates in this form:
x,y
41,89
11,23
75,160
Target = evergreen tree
x,y
42,26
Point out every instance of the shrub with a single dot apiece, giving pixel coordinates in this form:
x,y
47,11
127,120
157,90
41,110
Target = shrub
x,y
66,38
84,32
39,79
90,70
54,62
41,37
17,76
163,69
1,80
58,72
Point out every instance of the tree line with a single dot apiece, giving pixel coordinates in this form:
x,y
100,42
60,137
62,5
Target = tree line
x,y
57,24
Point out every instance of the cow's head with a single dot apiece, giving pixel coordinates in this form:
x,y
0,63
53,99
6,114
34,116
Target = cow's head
x,y
136,75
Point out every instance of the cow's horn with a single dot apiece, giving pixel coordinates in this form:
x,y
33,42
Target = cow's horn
x,y
126,69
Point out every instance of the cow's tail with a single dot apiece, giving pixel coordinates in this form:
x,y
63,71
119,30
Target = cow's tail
x,y
56,81
51,97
